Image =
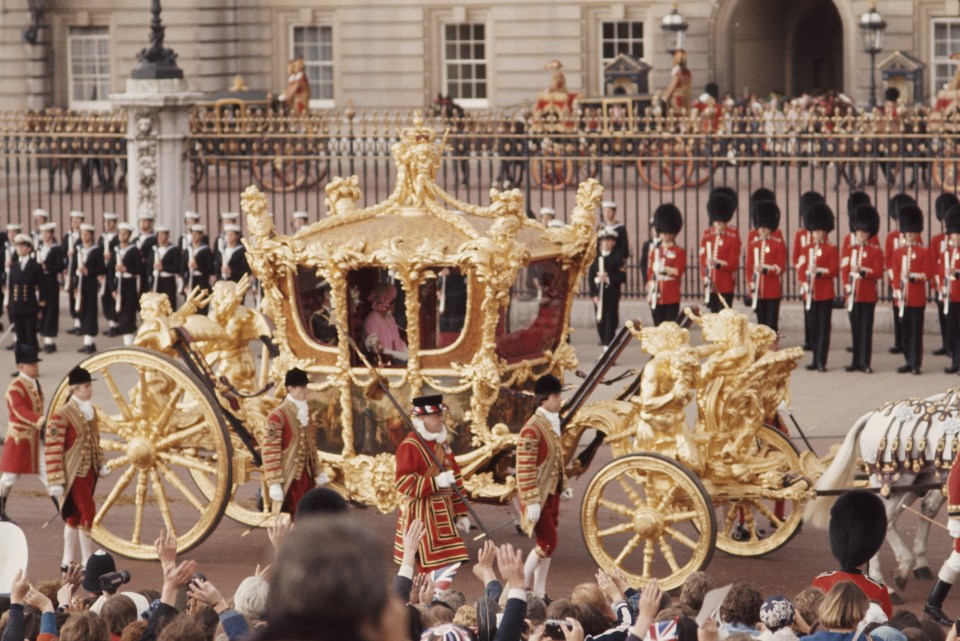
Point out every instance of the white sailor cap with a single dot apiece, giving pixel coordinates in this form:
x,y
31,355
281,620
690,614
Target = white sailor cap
x,y
48,226
23,239
146,216
125,226
609,204
229,215
199,228
556,223
14,226
87,227
76,213
109,215
548,211
163,229
191,215
301,214
41,212
235,228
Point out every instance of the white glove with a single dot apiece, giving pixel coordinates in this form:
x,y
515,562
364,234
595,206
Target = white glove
x,y
276,492
322,478
445,479
463,524
56,491
567,494
105,469
953,527
532,513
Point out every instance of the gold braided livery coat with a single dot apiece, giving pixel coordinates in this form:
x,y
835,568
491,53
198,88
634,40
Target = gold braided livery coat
x,y
540,470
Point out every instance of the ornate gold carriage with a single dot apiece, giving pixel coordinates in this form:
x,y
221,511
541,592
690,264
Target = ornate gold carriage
x,y
442,296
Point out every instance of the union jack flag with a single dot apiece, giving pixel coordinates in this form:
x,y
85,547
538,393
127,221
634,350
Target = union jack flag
x,y
443,577
663,630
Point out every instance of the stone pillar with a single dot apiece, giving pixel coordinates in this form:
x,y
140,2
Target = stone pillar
x,y
158,126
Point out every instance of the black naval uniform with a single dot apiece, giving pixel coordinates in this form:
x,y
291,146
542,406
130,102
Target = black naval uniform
x,y
88,288
108,244
202,275
6,247
169,258
235,259
24,301
145,243
71,266
126,285
609,321
51,261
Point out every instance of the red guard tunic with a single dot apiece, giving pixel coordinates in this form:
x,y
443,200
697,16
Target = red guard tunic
x,y
914,259
541,479
876,592
73,458
290,455
438,508
770,253
21,448
801,240
723,246
868,259
753,234
668,285
948,263
824,257
851,239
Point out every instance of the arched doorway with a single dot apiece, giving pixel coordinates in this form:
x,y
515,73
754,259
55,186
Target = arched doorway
x,y
791,47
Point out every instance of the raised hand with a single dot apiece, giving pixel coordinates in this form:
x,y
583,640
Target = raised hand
x,y
166,545
483,568
510,562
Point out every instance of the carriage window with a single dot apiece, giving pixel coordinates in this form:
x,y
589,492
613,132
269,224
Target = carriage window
x,y
316,308
89,82
378,317
533,322
443,308
314,43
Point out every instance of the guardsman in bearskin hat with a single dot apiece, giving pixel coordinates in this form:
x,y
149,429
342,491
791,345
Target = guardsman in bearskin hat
x,y
759,195
74,463
854,200
668,263
802,239
947,273
541,480
50,257
606,277
861,267
90,267
938,245
911,271
858,525
24,290
21,448
892,243
766,262
290,462
950,569
125,268
426,488
817,268
720,250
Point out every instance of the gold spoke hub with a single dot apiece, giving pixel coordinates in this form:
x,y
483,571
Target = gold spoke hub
x,y
648,522
142,453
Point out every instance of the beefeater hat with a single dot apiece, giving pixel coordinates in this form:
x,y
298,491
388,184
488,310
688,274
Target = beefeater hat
x,y
424,405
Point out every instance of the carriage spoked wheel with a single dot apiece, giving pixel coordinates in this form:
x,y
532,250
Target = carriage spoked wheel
x,y
247,504
651,517
158,424
552,174
280,167
755,525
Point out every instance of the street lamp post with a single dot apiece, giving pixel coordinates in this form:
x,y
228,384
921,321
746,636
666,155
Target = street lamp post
x,y
36,9
872,26
156,61
675,28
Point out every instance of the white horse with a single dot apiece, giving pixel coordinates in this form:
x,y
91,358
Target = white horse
x,y
901,444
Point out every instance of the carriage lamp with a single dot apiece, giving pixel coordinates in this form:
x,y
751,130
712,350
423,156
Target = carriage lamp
x,y
675,28
872,26
36,9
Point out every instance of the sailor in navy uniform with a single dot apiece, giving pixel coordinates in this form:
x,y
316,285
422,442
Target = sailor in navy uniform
x,y
40,217
299,220
197,263
234,258
108,242
90,267
166,265
9,252
145,241
190,218
125,268
70,244
227,219
24,292
609,222
50,257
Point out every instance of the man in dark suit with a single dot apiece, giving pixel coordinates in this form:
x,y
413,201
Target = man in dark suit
x,y
24,292
50,256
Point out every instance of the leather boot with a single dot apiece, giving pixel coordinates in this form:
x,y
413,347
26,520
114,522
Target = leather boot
x,y
933,607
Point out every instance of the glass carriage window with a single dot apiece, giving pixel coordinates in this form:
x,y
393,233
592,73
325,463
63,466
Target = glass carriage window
x,y
89,67
465,61
533,324
624,36
945,41
316,309
443,308
315,44
377,316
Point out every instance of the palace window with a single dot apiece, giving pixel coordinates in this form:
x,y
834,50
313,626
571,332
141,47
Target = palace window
x,y
315,44
89,67
622,36
945,41
465,63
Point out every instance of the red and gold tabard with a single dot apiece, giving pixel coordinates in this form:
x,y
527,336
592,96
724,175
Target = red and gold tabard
x,y
438,508
668,285
911,268
541,479
722,246
21,448
289,454
867,259
948,264
73,457
772,253
824,256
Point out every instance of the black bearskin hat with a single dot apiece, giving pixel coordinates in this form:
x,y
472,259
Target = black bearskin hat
x,y
819,216
720,207
897,203
855,199
943,203
858,525
807,198
729,192
761,194
911,219
865,218
891,94
766,213
951,220
667,219
547,385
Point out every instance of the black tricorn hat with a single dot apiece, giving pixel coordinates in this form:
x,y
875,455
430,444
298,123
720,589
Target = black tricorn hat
x,y
296,377
807,198
546,385
729,192
761,194
855,199
667,219
943,203
891,94
79,376
858,525
26,354
720,207
766,213
865,218
951,220
897,203
911,219
819,216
